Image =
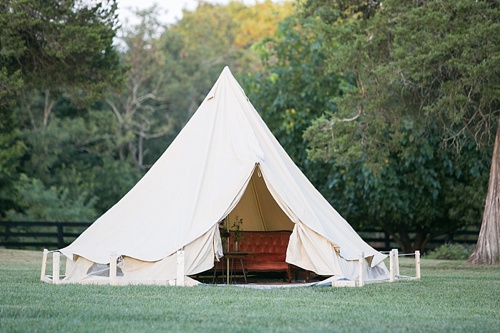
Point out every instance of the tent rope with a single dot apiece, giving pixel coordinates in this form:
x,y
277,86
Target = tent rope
x,y
399,254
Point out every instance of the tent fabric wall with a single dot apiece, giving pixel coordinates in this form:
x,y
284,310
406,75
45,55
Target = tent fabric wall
x,y
199,257
315,253
224,162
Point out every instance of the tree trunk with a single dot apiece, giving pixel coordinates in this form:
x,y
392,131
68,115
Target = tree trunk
x,y
403,239
488,244
49,105
421,240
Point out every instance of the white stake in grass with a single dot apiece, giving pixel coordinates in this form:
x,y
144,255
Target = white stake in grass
x,y
44,264
417,264
56,258
180,268
391,266
112,269
361,267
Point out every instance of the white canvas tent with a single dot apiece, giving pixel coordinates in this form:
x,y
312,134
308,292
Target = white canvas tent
x,y
224,163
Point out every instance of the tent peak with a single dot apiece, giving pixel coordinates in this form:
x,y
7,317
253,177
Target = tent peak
x,y
226,72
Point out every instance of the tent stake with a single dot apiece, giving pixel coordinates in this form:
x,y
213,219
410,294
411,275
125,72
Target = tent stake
x,y
396,262
417,264
56,257
44,264
391,266
361,264
180,268
112,269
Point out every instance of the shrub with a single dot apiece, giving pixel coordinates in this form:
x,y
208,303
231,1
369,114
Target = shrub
x,y
451,251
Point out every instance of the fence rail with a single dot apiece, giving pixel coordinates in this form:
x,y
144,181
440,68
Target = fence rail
x,y
382,241
38,235
52,235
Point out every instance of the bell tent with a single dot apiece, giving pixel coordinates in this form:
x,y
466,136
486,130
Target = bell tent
x,y
224,163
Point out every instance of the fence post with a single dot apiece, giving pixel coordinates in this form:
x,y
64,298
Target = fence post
x,y
60,235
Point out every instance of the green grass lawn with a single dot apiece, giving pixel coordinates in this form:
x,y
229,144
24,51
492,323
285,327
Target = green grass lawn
x,y
451,297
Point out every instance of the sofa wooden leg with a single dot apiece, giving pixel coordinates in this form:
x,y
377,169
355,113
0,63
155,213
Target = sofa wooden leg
x,y
289,274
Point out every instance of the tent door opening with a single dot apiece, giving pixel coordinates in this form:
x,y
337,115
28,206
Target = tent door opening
x,y
257,208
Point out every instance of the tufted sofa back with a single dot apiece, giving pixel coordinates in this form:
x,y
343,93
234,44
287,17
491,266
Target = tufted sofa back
x,y
264,241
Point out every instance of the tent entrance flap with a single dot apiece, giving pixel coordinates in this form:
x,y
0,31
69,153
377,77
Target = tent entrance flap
x,y
258,208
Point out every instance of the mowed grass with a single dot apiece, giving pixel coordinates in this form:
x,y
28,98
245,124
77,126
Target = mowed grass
x,y
451,297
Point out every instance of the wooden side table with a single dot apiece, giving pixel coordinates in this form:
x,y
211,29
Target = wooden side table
x,y
230,257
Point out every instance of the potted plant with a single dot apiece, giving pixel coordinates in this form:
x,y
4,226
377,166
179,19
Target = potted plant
x,y
224,234
237,232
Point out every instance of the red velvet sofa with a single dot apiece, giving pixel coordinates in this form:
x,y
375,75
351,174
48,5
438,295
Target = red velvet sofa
x,y
266,250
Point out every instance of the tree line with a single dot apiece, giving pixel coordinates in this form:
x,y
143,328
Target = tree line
x,y
390,109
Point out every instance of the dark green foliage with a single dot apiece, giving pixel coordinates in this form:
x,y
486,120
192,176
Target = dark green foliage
x,y
112,180
429,62
422,192
418,86
39,203
77,155
451,251
295,88
53,45
415,195
11,149
449,56
50,49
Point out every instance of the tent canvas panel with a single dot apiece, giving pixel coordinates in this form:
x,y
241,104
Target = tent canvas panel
x,y
199,257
